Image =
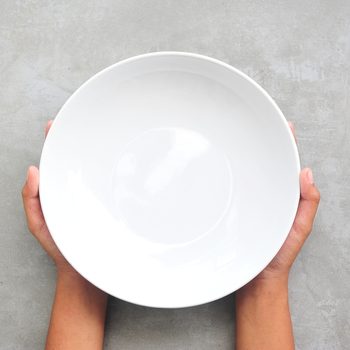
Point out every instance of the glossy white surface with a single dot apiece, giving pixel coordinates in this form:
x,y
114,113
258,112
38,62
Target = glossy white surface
x,y
169,179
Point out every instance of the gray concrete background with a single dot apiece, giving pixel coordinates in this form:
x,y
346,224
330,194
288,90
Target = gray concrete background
x,y
298,50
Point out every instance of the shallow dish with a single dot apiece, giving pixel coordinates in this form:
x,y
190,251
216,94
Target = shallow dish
x,y
169,179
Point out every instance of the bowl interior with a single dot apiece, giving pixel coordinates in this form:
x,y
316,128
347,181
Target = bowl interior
x,y
169,179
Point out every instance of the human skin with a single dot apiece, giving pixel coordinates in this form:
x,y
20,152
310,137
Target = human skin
x,y
262,312
263,319
79,308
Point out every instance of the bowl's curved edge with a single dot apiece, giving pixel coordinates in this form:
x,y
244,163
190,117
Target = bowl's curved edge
x,y
56,121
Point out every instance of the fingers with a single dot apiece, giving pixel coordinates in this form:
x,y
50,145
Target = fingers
x,y
31,187
31,201
309,200
292,128
48,126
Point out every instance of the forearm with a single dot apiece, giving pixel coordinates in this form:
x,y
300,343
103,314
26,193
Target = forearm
x,y
78,314
263,318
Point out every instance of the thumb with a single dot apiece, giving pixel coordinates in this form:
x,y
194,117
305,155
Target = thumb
x,y
31,202
309,200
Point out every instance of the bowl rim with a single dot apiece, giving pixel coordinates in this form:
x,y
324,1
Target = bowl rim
x,y
231,68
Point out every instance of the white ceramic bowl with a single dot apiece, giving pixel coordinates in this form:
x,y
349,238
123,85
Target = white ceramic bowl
x,y
169,179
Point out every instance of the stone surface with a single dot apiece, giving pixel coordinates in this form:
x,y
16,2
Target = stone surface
x,y
299,51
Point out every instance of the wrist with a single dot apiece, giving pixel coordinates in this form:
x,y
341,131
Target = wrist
x,y
262,314
260,287
68,274
70,279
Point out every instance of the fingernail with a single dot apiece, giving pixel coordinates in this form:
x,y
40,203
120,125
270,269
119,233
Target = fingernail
x,y
310,176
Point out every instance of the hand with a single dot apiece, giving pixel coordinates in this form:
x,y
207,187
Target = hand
x,y
35,218
79,309
262,311
278,268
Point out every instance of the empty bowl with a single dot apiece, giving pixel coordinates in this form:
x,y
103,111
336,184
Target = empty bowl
x,y
169,179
